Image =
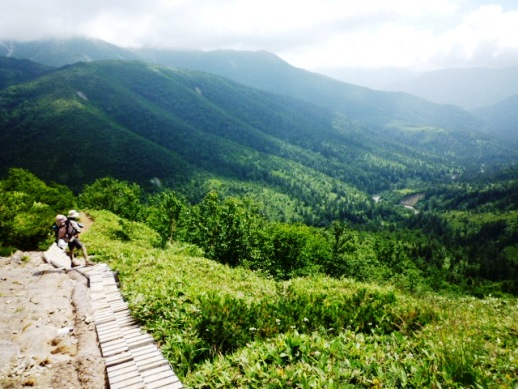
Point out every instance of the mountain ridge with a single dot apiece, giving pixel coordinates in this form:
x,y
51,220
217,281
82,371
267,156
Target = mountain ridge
x,y
469,88
264,70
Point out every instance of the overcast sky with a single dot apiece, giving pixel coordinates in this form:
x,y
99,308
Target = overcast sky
x,y
312,34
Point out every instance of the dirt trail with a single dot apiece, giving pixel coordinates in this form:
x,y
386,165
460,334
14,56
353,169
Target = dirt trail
x,y
47,332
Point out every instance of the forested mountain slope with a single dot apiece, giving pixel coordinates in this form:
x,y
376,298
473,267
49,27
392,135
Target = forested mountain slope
x,y
427,126
13,71
139,122
192,131
267,71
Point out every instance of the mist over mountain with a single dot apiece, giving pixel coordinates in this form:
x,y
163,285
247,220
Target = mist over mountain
x,y
376,78
60,52
468,88
502,117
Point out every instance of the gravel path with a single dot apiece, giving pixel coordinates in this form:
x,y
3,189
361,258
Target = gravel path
x,y
47,335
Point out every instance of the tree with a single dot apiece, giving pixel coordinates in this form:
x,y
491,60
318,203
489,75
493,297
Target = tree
x,y
119,197
163,213
229,231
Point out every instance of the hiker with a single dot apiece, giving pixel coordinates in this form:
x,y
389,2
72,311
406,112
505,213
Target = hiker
x,y
67,231
72,217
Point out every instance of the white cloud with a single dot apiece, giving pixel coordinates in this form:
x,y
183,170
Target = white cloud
x,y
414,39
484,37
307,33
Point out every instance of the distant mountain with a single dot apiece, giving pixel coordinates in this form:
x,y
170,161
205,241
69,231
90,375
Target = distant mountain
x,y
263,70
502,117
377,78
296,137
467,88
60,52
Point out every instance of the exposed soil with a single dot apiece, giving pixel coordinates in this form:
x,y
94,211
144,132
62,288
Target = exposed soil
x,y
47,334
411,200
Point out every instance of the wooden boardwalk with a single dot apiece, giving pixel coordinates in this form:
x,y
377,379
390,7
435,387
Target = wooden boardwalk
x,y
132,359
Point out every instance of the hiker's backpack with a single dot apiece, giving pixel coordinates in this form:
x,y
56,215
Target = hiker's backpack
x,y
68,231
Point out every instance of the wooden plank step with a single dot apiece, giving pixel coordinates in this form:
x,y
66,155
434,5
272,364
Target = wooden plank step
x,y
101,305
96,296
96,287
134,382
159,376
124,367
143,356
108,325
149,349
118,359
106,335
139,342
118,376
114,350
113,300
158,371
152,364
116,301
127,322
114,344
132,359
134,332
123,315
169,383
106,321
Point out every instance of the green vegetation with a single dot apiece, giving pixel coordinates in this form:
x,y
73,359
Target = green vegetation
x,y
324,307
229,327
27,210
430,251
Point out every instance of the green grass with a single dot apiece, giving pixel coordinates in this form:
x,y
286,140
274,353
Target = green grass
x,y
230,328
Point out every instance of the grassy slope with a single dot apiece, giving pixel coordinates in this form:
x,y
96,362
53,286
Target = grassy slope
x,y
392,339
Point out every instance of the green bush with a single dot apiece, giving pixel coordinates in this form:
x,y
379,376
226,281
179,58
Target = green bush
x,y
28,207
